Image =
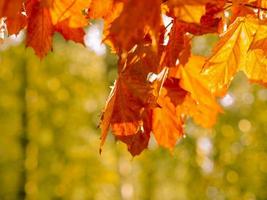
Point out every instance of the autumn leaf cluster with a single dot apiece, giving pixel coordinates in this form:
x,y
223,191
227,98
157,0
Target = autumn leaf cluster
x,y
160,82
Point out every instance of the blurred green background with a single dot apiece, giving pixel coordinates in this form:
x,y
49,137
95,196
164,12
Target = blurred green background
x,y
49,140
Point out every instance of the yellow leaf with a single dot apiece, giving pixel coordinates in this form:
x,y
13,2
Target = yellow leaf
x,y
71,10
106,9
263,4
256,66
201,103
229,54
260,38
184,13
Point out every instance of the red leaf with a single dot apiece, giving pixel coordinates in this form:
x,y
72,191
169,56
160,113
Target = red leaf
x,y
134,23
10,8
138,142
75,34
16,23
40,29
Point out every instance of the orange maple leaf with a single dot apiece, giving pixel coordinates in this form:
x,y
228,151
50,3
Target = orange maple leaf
x,y
40,28
167,122
45,17
134,23
10,8
132,94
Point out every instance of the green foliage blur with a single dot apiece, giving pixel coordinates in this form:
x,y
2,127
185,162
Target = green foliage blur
x,y
49,139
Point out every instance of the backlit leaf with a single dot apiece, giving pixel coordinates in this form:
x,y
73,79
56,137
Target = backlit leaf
x,y
10,8
40,29
71,10
74,34
256,66
132,94
201,104
229,54
167,123
134,14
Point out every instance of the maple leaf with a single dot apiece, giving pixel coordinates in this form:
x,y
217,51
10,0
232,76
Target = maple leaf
x,y
138,142
178,47
100,8
16,23
213,14
184,12
188,2
201,104
158,85
71,10
74,34
256,67
40,28
10,8
260,39
167,123
103,8
128,108
134,14
229,54
263,4
108,10
240,10
132,94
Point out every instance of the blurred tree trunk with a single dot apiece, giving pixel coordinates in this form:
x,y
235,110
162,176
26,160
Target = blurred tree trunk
x,y
24,140
148,179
